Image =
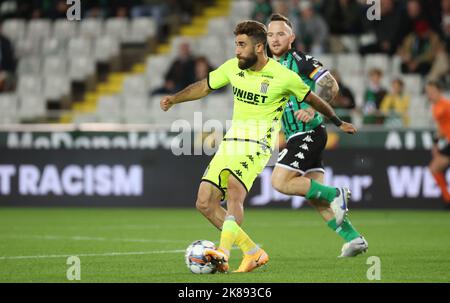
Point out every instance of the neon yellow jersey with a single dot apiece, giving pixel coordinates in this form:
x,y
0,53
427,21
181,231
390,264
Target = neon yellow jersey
x,y
259,98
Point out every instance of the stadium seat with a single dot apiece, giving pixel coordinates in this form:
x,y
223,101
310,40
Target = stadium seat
x,y
79,47
242,9
135,86
29,66
327,61
161,117
91,28
109,109
55,65
53,47
117,27
38,29
349,64
81,67
106,47
14,29
8,104
211,47
141,29
413,84
29,85
32,106
64,30
27,47
380,61
219,27
350,43
56,86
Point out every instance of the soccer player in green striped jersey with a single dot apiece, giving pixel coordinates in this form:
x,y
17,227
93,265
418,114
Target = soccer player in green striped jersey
x,y
261,89
299,170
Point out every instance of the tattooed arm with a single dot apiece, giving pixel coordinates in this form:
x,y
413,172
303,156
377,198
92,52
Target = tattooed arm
x,y
194,91
327,88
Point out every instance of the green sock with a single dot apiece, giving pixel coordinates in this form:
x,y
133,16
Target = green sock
x,y
321,192
346,230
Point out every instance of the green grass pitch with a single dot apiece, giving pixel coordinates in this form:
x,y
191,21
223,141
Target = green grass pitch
x,y
146,245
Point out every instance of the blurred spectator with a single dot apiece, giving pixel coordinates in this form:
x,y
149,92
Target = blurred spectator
x,y
385,31
343,16
373,96
288,9
396,103
344,98
202,69
262,11
312,31
7,63
445,23
419,49
181,72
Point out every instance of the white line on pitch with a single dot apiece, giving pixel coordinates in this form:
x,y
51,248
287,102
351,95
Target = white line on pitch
x,y
85,238
108,254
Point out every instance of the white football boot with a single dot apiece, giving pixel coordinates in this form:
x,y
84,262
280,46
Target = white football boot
x,y
339,204
354,247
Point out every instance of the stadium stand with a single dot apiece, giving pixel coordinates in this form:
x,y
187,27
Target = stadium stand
x,y
102,69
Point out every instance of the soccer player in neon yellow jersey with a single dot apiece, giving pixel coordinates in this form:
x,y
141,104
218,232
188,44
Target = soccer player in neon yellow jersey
x,y
300,164
261,88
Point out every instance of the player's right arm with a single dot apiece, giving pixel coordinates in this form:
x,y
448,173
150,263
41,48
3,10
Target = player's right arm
x,y
325,109
298,88
194,91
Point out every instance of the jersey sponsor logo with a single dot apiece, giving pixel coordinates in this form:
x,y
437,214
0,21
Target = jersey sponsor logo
x,y
248,97
264,87
267,76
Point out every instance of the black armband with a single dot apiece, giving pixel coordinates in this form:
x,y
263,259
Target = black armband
x,y
336,121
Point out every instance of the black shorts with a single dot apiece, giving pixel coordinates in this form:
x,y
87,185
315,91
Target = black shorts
x,y
303,152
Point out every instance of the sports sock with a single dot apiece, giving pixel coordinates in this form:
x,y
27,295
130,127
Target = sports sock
x,y
233,233
440,180
345,230
321,192
245,243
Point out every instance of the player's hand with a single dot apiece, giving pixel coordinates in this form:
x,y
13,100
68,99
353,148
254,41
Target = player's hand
x,y
348,128
304,115
166,103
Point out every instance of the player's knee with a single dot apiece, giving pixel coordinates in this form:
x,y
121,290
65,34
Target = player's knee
x,y
203,203
277,182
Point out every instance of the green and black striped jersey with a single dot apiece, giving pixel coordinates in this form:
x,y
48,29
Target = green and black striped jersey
x,y
310,70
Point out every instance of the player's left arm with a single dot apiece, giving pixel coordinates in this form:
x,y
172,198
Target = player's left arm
x,y
325,109
327,87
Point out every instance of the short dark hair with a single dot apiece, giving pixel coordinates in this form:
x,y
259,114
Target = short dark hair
x,y
254,29
436,84
280,17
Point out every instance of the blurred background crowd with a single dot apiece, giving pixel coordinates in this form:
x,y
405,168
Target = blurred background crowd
x,y
113,64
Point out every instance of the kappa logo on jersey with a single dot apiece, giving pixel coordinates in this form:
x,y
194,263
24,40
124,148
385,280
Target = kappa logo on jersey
x,y
295,164
308,139
296,56
264,87
304,146
300,155
241,74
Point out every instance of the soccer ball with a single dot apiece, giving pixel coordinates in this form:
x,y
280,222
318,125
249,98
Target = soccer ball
x,y
196,260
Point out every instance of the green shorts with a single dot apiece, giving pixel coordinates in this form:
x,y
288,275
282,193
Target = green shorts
x,y
243,159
